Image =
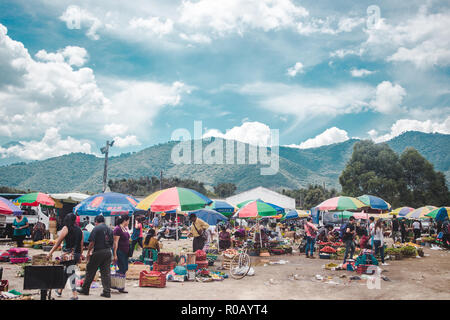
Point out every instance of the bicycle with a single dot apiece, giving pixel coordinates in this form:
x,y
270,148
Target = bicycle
x,y
240,264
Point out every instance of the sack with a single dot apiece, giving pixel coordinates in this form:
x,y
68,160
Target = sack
x,y
342,230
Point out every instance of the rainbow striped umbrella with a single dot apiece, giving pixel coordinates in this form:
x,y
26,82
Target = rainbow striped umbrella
x,y
295,214
402,211
341,203
439,214
34,199
106,204
420,212
258,209
7,207
181,199
374,202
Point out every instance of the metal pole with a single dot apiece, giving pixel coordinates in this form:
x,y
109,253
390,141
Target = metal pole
x,y
160,180
105,172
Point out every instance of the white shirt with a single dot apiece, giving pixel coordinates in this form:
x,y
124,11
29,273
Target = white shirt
x,y
416,225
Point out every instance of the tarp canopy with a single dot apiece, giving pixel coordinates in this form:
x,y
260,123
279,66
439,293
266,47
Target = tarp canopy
x,y
72,197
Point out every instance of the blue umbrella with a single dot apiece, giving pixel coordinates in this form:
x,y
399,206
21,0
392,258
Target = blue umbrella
x,y
107,204
211,217
374,202
221,207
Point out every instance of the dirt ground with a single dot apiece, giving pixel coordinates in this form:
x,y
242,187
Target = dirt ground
x,y
425,278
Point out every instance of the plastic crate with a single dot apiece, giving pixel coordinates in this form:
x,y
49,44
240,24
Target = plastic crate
x,y
202,264
191,266
153,279
324,256
163,267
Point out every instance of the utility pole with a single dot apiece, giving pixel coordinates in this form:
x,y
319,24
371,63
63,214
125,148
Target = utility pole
x,y
160,180
105,151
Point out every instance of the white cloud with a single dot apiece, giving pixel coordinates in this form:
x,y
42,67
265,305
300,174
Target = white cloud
x,y
388,98
307,103
404,125
329,136
128,141
237,16
255,133
114,129
153,24
196,37
325,26
51,145
341,53
297,68
360,72
74,56
36,94
422,40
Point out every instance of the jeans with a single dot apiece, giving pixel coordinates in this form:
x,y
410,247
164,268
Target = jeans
x,y
99,259
133,245
349,246
380,247
122,261
310,245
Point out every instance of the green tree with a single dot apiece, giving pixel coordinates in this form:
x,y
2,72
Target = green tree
x,y
312,195
423,185
373,169
224,190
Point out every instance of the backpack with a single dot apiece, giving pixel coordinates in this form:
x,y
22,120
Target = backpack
x,y
342,230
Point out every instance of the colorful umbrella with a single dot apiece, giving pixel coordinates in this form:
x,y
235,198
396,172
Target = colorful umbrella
x,y
374,202
295,214
402,211
258,209
341,203
175,198
222,207
439,214
107,204
211,217
7,207
420,212
240,205
35,199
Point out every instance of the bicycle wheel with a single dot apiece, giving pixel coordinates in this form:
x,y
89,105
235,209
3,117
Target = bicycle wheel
x,y
240,266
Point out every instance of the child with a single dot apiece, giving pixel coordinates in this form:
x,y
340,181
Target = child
x,y
151,247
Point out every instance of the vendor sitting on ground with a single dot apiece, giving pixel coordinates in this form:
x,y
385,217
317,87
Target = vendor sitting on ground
x,y
151,247
324,233
364,241
224,239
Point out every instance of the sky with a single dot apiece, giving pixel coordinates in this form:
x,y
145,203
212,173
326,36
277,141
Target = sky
x,y
74,74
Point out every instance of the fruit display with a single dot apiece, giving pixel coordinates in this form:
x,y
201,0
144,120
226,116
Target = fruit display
x,y
328,249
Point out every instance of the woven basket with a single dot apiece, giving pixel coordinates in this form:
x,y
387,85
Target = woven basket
x,y
153,279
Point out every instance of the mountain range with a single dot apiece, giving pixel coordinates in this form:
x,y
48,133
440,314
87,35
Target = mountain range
x,y
297,167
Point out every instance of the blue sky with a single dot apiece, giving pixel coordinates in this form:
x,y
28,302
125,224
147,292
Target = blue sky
x,y
78,73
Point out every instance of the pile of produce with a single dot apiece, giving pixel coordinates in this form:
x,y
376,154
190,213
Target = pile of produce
x,y
328,249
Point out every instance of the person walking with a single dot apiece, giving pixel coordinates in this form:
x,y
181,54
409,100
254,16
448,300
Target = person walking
x,y
101,243
417,230
72,252
20,228
349,235
137,236
378,240
311,233
370,231
121,246
198,231
395,229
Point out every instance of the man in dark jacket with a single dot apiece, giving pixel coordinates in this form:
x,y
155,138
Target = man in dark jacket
x,y
101,241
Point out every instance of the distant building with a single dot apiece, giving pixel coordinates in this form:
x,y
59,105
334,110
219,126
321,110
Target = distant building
x,y
264,194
